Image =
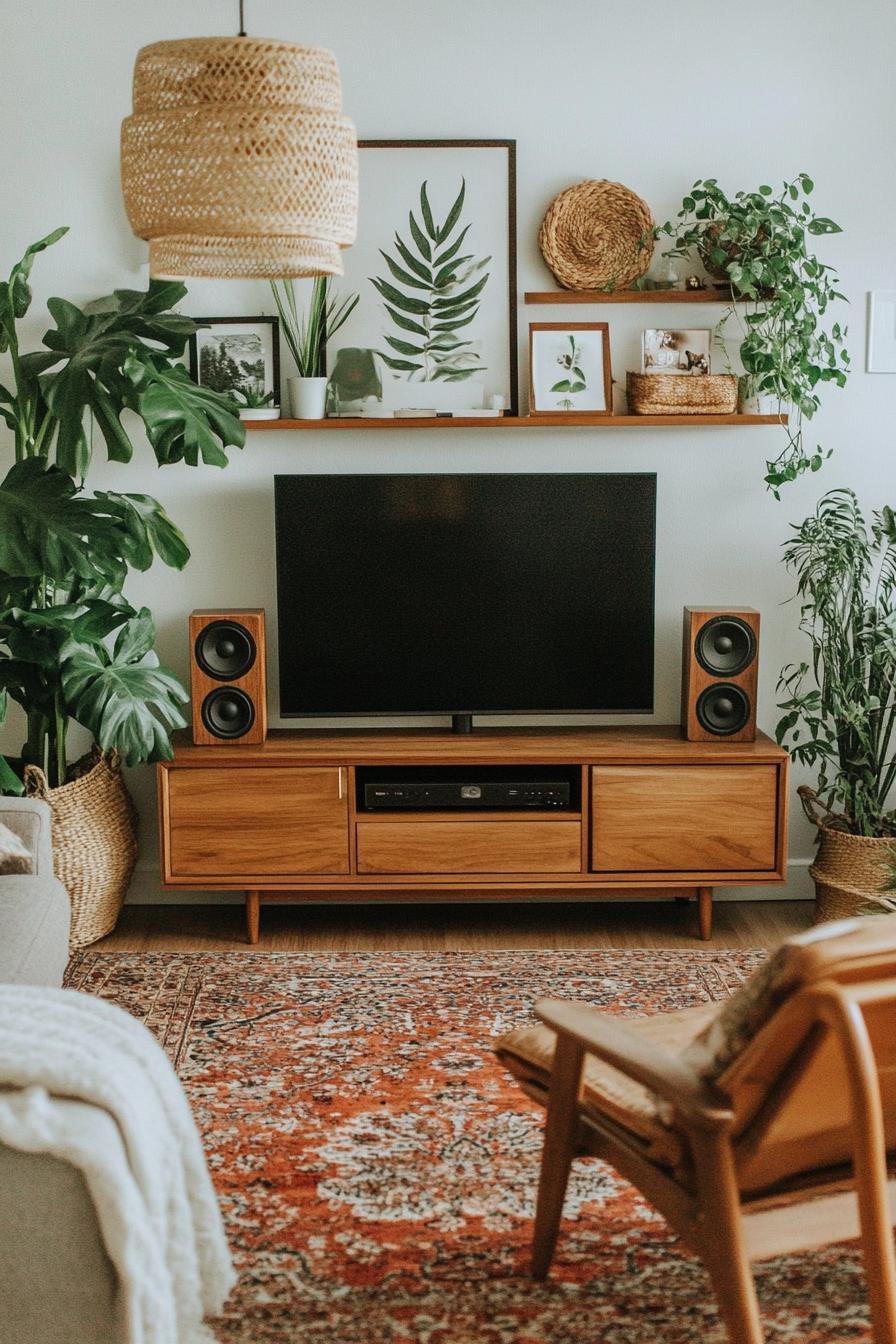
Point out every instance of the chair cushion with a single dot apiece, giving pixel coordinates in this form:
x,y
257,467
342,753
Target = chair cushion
x,y
528,1053
15,856
845,950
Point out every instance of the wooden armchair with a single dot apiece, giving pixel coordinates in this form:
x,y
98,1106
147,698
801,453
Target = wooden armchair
x,y
758,1129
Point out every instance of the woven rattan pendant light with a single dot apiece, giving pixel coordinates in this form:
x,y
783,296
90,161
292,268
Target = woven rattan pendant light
x,y
237,161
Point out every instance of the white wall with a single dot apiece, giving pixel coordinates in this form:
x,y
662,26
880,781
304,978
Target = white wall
x,y
653,98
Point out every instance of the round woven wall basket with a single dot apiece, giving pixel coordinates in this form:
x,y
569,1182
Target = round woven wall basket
x,y
94,841
597,235
849,870
681,394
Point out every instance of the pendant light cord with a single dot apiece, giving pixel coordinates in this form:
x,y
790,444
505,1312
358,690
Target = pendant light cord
x,y
242,32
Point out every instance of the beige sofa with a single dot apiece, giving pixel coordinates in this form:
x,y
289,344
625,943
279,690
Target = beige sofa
x,y
57,1284
34,907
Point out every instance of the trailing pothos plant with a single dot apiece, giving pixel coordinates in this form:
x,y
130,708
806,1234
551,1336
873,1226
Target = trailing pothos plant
x,y
840,709
758,242
432,295
65,553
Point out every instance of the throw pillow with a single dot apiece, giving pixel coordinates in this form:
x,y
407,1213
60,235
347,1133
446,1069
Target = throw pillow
x,y
15,856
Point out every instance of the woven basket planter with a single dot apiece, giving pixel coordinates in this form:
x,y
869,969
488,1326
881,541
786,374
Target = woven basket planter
x,y
681,394
849,870
94,841
597,235
237,160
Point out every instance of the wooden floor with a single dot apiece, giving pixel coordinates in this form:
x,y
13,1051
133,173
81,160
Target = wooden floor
x,y
435,928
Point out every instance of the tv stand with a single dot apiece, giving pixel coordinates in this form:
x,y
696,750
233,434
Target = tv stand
x,y
461,723
655,816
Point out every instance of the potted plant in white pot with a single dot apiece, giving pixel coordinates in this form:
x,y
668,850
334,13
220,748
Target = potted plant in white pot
x,y
840,708
757,243
306,335
65,555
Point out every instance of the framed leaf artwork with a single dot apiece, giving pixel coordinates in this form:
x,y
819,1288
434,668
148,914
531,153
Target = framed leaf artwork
x,y
435,268
569,368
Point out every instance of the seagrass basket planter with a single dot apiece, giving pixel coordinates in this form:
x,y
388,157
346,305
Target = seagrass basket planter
x,y
94,841
849,871
681,394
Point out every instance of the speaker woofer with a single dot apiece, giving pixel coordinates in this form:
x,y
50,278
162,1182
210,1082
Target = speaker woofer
x,y
725,646
225,650
228,712
723,709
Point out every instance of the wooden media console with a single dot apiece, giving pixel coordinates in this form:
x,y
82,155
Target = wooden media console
x,y
651,814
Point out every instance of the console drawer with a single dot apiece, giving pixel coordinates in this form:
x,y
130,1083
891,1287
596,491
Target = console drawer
x,y
684,819
470,847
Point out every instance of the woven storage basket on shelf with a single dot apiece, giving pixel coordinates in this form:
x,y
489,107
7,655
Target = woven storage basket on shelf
x,y
237,160
597,235
94,841
849,870
681,393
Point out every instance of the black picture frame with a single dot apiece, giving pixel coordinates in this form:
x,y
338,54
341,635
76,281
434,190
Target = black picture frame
x,y
261,323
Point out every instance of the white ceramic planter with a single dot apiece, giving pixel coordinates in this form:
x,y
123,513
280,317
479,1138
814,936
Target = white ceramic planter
x,y
307,398
260,413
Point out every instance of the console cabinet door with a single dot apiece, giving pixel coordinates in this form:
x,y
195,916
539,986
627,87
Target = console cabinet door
x,y
684,819
257,822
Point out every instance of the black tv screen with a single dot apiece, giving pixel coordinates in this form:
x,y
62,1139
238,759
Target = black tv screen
x,y
496,593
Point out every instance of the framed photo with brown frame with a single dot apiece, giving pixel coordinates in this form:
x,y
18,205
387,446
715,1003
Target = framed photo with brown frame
x,y
569,369
434,265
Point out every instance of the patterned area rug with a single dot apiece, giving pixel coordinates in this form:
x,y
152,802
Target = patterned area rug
x,y
377,1168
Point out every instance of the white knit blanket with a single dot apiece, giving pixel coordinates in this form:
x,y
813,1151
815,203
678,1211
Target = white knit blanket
x,y
154,1199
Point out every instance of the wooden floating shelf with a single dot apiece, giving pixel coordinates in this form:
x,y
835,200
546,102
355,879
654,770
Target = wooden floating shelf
x,y
563,421
564,296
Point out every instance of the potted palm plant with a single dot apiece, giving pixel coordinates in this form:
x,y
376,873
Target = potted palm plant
x,y
758,244
840,708
71,645
306,335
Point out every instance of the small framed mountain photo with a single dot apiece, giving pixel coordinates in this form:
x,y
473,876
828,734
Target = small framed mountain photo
x,y
569,368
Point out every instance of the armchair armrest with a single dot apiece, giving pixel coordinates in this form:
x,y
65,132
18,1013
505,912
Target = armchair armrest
x,y
610,1040
31,820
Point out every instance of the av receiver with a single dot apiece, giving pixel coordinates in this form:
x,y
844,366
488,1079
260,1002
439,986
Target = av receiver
x,y
441,795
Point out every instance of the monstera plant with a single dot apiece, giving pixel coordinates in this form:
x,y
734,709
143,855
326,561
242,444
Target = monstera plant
x,y
65,553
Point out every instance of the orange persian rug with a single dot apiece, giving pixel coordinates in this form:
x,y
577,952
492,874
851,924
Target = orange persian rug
x,y
377,1167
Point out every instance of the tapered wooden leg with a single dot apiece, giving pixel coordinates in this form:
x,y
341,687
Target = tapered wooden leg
x,y
560,1143
704,912
870,1170
253,915
721,1238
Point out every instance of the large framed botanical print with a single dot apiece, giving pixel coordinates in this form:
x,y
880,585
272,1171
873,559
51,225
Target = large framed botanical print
x,y
435,268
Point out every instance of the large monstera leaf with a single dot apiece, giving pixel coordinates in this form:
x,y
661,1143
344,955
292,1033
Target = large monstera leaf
x,y
104,359
184,422
48,530
124,697
15,293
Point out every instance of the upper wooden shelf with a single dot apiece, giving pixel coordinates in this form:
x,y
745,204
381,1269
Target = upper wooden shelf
x,y
569,421
564,296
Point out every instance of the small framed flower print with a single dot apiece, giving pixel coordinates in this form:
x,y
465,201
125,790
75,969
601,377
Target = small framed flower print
x,y
569,368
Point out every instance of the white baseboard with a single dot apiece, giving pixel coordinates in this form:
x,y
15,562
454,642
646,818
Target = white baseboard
x,y
145,890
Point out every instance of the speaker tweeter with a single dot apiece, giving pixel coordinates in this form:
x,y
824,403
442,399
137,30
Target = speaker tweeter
x,y
227,677
720,663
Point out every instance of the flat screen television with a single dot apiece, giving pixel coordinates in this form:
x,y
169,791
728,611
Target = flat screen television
x,y
456,594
